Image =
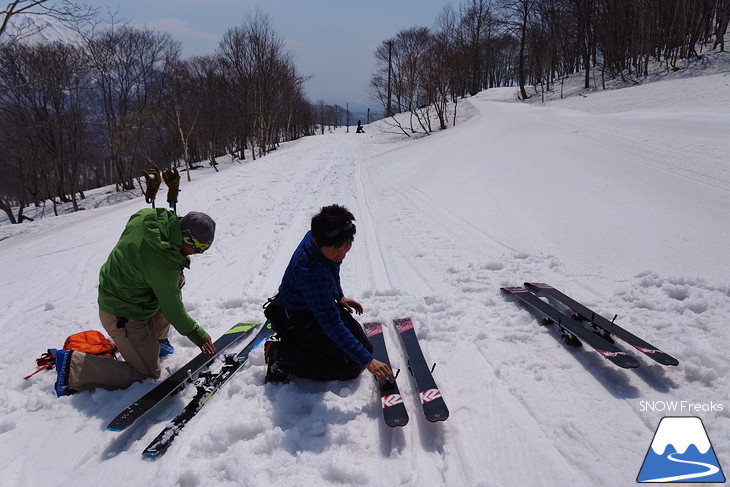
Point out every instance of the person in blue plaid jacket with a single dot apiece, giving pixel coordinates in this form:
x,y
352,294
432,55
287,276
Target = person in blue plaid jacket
x,y
317,336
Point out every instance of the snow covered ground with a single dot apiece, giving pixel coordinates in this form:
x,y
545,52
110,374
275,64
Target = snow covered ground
x,y
620,199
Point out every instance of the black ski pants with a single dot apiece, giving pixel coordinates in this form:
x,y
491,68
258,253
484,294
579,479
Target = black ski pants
x,y
306,351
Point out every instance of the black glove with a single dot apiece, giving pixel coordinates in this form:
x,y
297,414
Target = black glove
x,y
153,180
172,179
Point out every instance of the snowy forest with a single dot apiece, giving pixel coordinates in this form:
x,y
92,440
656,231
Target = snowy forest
x,y
483,44
113,101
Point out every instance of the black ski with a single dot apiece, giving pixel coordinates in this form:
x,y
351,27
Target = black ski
x,y
394,410
584,313
433,404
177,381
207,385
573,332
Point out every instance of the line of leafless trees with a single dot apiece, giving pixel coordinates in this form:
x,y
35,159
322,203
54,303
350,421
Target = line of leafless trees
x,y
488,43
76,117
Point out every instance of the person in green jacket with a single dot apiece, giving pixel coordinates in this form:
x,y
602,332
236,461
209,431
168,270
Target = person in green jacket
x,y
139,297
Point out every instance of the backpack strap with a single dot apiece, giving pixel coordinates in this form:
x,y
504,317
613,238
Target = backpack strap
x,y
46,362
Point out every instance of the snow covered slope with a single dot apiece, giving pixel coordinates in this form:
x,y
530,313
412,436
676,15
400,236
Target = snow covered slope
x,y
620,199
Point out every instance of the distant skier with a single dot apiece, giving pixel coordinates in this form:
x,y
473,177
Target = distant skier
x,y
139,297
359,130
318,337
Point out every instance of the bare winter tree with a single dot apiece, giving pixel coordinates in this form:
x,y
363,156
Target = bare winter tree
x,y
62,10
210,100
233,54
486,51
517,19
181,114
128,64
265,48
292,104
44,127
321,110
518,42
584,17
380,80
473,33
544,53
269,72
265,81
723,18
444,62
404,62
124,99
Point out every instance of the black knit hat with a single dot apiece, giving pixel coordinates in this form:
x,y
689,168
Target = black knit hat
x,y
333,226
198,231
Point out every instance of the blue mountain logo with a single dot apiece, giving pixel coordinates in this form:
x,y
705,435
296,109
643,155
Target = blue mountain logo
x,y
681,452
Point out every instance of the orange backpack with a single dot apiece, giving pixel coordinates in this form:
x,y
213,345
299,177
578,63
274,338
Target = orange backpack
x,y
91,341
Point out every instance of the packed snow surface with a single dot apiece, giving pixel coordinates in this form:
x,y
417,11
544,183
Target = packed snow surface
x,y
621,199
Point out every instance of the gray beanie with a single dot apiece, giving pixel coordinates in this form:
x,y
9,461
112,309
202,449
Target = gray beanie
x,y
200,227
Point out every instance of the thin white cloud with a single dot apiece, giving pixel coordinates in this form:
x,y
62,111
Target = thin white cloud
x,y
180,29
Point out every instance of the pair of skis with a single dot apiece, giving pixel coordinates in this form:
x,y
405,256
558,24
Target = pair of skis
x,y
573,332
206,382
394,410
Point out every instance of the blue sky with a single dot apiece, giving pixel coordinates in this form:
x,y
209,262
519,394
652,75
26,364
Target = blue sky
x,y
333,40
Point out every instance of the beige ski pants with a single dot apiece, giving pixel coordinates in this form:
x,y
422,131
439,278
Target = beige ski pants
x,y
138,343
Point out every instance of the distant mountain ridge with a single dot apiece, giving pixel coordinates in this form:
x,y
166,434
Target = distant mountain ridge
x,y
39,29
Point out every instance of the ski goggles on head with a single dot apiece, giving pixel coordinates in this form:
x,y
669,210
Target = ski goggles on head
x,y
337,231
191,241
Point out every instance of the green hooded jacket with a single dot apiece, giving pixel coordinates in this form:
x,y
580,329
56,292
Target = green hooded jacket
x,y
142,273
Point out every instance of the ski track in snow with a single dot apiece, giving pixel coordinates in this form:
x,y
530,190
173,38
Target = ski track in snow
x,y
618,208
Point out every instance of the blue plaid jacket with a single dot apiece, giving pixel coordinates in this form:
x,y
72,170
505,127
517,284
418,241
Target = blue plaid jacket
x,y
312,282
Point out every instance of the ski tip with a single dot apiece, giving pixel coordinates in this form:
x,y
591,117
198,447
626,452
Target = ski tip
x,y
540,285
513,289
111,428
